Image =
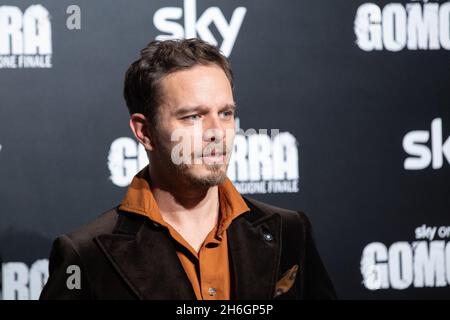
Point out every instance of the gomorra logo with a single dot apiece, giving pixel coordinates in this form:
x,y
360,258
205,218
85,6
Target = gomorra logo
x,y
396,26
20,282
260,163
25,38
421,263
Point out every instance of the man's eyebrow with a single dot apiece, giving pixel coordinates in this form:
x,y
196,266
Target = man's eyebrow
x,y
229,106
185,110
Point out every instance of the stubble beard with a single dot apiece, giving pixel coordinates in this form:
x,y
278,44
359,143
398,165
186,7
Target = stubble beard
x,y
184,174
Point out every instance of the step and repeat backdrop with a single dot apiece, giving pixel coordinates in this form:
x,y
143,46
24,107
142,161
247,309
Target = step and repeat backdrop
x,y
358,91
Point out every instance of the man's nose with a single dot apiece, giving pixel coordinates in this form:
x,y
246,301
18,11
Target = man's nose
x,y
213,129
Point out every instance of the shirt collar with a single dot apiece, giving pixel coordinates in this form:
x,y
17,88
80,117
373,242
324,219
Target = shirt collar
x,y
139,199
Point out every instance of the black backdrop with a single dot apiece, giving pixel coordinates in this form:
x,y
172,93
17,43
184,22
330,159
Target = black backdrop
x,y
353,87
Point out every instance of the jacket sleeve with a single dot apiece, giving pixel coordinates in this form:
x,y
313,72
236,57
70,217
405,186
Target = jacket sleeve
x,y
317,282
67,277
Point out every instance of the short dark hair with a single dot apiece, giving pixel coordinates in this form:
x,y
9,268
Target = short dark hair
x,y
142,90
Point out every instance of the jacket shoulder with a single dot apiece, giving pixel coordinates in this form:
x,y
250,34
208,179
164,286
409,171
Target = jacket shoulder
x,y
104,223
268,209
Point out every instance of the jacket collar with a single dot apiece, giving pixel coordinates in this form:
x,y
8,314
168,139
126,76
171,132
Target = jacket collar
x,y
145,257
254,241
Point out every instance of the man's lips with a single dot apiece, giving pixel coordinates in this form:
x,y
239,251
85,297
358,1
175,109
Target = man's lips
x,y
213,154
214,157
219,156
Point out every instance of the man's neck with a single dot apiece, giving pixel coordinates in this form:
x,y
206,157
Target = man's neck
x,y
186,207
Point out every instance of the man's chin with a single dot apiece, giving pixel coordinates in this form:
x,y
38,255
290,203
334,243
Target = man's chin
x,y
209,179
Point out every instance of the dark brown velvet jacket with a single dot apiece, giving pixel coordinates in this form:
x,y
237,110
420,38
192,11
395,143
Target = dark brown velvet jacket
x,y
122,255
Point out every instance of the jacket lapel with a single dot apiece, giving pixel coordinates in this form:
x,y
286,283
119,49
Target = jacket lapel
x,y
148,262
255,245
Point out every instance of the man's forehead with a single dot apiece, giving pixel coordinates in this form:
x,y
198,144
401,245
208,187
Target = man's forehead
x,y
200,88
197,77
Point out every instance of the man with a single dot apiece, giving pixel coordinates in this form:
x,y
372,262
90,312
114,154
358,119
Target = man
x,y
183,231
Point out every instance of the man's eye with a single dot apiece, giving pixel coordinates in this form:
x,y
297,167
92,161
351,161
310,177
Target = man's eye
x,y
192,117
228,114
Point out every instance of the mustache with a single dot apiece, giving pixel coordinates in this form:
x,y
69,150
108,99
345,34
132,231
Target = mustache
x,y
211,150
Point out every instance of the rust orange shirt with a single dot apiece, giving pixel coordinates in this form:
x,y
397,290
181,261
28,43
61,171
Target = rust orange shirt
x,y
209,269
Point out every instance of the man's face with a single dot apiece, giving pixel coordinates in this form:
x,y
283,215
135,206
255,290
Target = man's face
x,y
196,125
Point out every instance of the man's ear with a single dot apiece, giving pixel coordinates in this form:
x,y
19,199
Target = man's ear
x,y
140,127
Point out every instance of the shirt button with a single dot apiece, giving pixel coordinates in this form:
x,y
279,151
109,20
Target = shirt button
x,y
212,291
